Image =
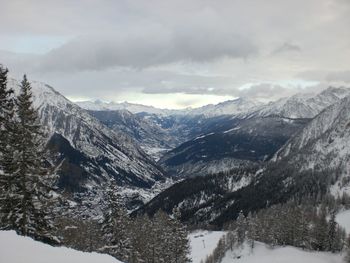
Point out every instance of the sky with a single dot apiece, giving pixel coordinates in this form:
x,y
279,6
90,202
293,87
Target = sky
x,y
177,54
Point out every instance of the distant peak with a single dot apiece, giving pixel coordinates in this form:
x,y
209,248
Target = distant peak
x,y
98,101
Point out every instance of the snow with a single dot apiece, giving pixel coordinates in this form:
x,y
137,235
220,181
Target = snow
x,y
263,254
18,249
203,136
203,243
304,105
343,219
233,129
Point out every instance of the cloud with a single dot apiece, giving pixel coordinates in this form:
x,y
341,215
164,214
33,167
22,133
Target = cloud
x,y
326,75
260,91
143,50
110,48
287,47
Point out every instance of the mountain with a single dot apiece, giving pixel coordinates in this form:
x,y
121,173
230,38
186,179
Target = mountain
x,y
230,107
152,138
99,105
302,106
250,136
313,163
323,145
86,155
230,142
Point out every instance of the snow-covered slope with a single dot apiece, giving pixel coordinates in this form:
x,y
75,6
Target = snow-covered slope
x,y
343,219
203,243
264,254
324,144
18,249
303,105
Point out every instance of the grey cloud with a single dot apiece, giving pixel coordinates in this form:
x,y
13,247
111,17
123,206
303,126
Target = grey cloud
x,y
261,91
267,91
324,75
287,47
339,76
160,46
144,50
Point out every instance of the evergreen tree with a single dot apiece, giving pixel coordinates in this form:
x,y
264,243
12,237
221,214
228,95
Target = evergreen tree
x,y
347,257
320,231
30,184
251,230
180,243
241,223
332,232
115,229
7,122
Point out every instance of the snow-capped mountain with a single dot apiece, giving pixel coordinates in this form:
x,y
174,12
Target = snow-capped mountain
x,y
303,105
324,144
152,138
86,154
99,105
247,137
230,107
313,162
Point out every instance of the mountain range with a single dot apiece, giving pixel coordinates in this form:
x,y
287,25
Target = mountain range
x,y
211,161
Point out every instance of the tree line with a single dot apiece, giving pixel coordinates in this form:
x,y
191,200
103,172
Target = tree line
x,y
140,239
304,225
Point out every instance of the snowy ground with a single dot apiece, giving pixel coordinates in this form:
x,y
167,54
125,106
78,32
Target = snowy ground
x,y
263,254
18,249
343,219
203,243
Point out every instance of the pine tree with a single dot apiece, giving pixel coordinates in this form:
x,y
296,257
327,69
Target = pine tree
x,y
241,228
7,219
347,257
252,230
30,183
181,247
320,231
332,232
115,229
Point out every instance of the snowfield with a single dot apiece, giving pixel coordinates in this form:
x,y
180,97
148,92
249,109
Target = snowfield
x,y
343,219
264,254
18,249
203,244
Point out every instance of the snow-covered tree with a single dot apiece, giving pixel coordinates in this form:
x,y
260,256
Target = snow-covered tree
x,y
241,223
180,244
115,229
30,181
7,122
252,230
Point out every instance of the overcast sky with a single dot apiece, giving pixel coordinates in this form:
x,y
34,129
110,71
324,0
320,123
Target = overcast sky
x,y
177,53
